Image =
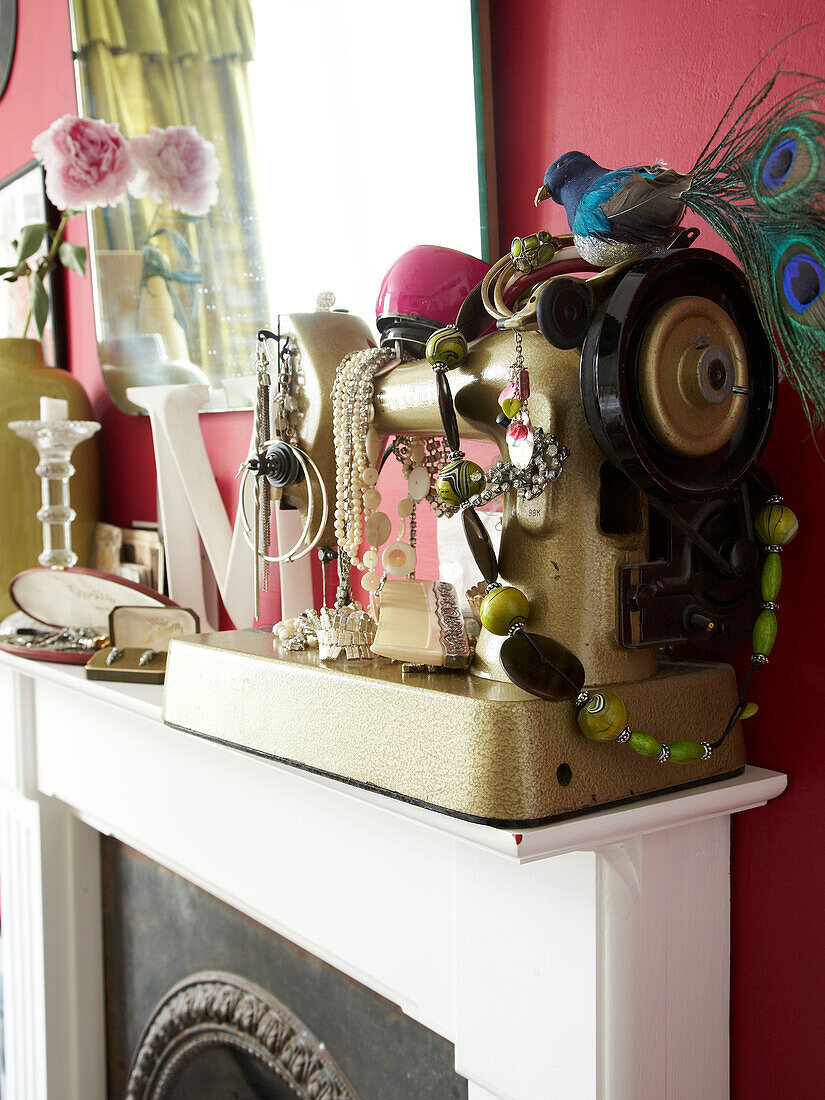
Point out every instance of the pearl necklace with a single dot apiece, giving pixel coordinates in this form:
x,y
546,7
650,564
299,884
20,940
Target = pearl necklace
x,y
355,474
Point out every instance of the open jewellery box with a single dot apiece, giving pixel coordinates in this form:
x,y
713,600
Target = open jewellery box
x,y
75,598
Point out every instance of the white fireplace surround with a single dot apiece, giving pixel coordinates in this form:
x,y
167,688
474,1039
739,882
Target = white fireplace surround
x,y
590,959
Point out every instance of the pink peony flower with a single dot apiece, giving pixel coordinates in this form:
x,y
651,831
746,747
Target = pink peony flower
x,y
176,165
87,161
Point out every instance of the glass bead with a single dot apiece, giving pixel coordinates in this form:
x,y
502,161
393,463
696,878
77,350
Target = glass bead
x,y
460,480
510,406
542,666
377,528
644,744
771,576
398,559
447,411
370,581
447,346
480,545
372,499
516,247
750,710
764,632
502,608
405,507
603,717
418,483
371,559
776,525
520,443
681,751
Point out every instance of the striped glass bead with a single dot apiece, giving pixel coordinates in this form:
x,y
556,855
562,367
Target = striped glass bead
x,y
764,632
460,480
447,346
644,744
502,608
776,525
603,717
686,750
771,576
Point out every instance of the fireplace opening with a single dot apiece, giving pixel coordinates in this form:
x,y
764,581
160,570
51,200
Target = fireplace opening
x,y
203,1003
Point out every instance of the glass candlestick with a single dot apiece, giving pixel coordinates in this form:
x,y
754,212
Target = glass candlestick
x,y
55,438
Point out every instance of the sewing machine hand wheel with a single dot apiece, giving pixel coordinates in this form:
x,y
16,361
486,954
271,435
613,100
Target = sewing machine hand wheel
x,y
678,380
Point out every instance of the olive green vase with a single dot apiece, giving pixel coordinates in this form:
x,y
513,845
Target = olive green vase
x,y
24,379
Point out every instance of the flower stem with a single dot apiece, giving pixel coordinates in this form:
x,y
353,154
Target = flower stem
x,y
46,266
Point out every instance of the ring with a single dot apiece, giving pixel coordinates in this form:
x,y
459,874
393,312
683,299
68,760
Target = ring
x,y
114,655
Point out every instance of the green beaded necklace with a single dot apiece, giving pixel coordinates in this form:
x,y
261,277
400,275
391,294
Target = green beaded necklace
x,y
601,716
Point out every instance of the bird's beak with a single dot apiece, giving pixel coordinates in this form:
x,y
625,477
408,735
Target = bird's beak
x,y
542,194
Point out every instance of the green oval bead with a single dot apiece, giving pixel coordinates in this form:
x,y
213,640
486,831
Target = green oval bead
x,y
764,632
644,744
686,750
748,711
603,717
447,346
776,525
502,608
516,247
771,577
460,480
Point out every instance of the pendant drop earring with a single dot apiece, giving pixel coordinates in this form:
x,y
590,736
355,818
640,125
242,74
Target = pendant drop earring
x,y
513,401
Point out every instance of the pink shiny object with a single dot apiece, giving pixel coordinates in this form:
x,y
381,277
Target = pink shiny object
x,y
429,281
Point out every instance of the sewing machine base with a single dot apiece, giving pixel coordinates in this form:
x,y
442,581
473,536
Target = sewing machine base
x,y
474,748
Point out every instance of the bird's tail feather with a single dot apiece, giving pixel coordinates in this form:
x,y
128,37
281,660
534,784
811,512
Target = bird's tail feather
x,y
761,186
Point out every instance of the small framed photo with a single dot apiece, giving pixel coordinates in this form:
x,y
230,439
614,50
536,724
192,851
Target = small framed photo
x,y
22,202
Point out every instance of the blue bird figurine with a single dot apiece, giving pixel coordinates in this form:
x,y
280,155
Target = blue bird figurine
x,y
759,183
615,215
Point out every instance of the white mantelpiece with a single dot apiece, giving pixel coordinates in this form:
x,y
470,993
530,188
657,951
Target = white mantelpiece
x,y
588,959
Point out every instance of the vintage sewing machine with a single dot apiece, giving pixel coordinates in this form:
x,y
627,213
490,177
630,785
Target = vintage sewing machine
x,y
644,544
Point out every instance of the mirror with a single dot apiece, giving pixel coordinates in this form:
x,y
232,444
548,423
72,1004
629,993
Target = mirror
x,y
346,134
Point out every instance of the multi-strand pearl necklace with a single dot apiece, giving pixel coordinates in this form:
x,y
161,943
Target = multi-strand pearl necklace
x,y
355,474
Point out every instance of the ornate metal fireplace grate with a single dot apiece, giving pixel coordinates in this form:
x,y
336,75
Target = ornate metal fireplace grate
x,y
217,1036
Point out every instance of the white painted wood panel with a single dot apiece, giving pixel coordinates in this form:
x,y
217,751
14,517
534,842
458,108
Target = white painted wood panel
x,y
586,959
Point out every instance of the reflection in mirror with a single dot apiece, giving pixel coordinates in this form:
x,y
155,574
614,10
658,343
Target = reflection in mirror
x,y
346,134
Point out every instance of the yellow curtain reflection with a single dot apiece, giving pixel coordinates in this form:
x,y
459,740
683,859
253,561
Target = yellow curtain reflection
x,y
171,62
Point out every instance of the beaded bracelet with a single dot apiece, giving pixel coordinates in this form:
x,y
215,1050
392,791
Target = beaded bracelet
x,y
543,666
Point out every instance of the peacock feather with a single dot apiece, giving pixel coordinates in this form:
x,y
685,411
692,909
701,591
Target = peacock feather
x,y
760,183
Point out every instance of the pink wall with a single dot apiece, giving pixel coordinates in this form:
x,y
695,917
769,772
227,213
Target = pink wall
x,y
625,81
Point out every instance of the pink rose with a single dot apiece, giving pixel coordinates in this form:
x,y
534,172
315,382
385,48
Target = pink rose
x,y
87,161
176,165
